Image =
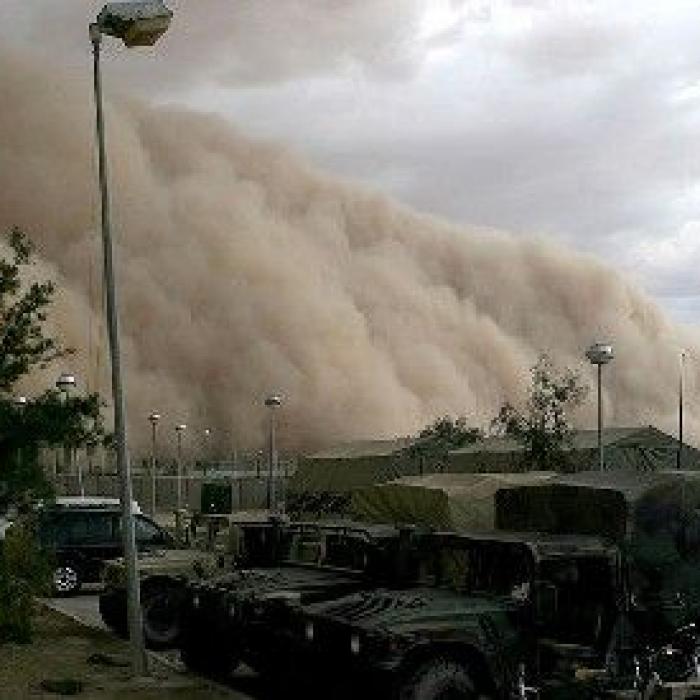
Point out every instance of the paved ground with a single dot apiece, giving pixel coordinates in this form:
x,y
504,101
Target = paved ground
x,y
81,607
244,684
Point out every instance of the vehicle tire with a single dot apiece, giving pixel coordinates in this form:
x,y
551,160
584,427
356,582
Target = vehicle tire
x,y
65,580
112,606
440,679
208,658
162,622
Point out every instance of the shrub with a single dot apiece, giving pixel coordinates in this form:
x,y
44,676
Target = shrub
x,y
24,574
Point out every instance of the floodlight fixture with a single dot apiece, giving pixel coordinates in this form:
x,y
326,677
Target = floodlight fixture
x,y
135,23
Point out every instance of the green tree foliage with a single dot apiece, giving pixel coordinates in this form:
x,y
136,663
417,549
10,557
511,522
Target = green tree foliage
x,y
543,426
47,419
439,437
23,344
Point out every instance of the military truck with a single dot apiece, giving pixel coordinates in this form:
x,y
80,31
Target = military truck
x,y
313,561
610,613
228,541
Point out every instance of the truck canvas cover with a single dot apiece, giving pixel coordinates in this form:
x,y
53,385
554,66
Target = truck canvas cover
x,y
608,504
440,501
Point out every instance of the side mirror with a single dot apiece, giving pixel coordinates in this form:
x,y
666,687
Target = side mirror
x,y
546,599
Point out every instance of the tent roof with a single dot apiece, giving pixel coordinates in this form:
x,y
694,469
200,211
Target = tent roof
x,y
462,483
363,448
580,440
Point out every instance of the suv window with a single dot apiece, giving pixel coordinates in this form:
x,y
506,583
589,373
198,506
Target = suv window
x,y
73,528
147,531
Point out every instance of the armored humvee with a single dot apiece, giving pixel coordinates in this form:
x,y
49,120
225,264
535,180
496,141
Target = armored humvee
x,y
229,541
313,561
609,613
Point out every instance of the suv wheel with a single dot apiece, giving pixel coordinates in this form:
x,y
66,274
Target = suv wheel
x,y
440,679
65,580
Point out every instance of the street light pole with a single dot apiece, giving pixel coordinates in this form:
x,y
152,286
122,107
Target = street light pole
x,y
679,454
179,429
64,384
20,405
135,622
153,419
207,450
600,354
136,24
272,403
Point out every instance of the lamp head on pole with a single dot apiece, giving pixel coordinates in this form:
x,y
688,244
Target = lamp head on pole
x,y
65,382
154,418
273,401
180,428
135,23
600,353
21,402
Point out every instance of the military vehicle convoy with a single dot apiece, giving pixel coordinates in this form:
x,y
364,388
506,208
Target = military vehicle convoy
x,y
506,614
597,598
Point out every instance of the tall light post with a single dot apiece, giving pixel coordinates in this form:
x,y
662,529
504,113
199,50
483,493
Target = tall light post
x,y
179,430
600,354
64,383
681,373
20,405
272,403
153,419
207,453
136,24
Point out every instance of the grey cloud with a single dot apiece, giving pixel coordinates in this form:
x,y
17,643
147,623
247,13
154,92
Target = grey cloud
x,y
246,42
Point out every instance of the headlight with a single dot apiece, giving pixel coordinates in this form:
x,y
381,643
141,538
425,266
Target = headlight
x,y
354,643
309,631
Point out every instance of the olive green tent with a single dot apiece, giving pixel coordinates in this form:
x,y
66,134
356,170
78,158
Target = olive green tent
x,y
440,501
324,481
351,465
642,448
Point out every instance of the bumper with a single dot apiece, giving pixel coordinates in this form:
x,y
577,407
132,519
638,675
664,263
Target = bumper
x,y
208,621
272,649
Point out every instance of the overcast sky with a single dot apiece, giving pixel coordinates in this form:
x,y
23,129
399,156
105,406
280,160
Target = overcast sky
x,y
576,120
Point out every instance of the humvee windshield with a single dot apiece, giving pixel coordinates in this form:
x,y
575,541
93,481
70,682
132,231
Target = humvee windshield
x,y
338,548
473,566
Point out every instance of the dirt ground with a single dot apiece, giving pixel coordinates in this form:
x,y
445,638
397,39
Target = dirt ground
x,y
65,652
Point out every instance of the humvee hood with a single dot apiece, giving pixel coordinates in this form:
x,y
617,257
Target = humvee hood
x,y
266,582
402,611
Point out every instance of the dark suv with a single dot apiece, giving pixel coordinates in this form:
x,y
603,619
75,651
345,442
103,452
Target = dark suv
x,y
81,537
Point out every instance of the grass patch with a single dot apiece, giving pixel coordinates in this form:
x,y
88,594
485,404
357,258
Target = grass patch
x,y
67,659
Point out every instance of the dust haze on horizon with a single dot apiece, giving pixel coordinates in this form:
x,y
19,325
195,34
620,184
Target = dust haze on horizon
x,y
242,271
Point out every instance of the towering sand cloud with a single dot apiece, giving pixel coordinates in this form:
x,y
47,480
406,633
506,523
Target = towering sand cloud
x,y
242,271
